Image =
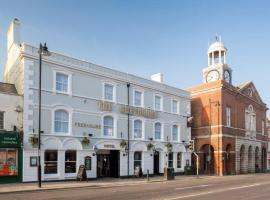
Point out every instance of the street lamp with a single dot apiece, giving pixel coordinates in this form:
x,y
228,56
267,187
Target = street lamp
x,y
43,51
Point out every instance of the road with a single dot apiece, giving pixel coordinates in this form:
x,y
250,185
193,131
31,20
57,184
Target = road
x,y
243,187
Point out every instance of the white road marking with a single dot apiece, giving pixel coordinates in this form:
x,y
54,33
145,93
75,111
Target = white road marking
x,y
197,186
216,191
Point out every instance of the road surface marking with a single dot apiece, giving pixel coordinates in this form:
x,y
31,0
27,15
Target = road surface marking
x,y
217,191
198,186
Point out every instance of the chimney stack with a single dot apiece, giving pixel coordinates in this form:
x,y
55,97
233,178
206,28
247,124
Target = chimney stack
x,y
157,77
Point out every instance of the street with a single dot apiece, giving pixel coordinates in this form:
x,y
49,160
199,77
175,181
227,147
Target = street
x,y
246,187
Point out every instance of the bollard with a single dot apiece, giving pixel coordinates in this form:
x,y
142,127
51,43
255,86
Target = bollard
x,y
147,175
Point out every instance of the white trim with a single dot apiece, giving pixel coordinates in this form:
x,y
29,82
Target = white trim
x,y
142,97
114,91
143,128
69,88
161,102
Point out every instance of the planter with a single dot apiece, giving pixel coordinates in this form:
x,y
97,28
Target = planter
x,y
123,144
149,146
33,140
169,147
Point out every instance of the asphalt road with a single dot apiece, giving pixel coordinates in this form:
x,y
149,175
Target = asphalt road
x,y
243,187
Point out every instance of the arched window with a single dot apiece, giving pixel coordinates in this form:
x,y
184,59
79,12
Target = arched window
x,y
175,133
158,131
138,129
108,126
61,121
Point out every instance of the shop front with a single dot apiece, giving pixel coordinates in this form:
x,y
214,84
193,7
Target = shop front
x,y
10,157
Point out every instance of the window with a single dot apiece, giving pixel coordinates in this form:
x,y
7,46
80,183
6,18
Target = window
x,y
157,131
175,106
70,161
158,103
263,127
108,126
8,162
137,98
179,160
138,129
61,82
228,116
137,159
175,133
108,92
61,121
1,120
170,159
50,162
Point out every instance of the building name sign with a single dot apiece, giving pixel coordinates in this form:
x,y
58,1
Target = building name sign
x,y
105,106
9,140
85,125
148,113
109,146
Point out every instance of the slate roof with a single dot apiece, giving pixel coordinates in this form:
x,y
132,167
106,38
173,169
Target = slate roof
x,y
8,88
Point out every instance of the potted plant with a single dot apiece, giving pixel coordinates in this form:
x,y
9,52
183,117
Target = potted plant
x,y
169,147
85,141
123,144
33,140
149,146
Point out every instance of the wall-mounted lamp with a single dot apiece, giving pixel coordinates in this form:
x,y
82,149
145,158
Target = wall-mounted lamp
x,y
90,134
150,138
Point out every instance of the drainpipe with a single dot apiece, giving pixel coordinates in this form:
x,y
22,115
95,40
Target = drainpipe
x,y
128,131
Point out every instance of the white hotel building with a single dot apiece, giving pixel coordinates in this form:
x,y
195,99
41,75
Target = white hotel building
x,y
82,101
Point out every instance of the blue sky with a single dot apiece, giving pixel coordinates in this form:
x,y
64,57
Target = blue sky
x,y
145,37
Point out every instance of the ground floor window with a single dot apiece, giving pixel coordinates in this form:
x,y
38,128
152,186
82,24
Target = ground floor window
x,y
137,159
50,162
8,162
170,159
70,161
179,160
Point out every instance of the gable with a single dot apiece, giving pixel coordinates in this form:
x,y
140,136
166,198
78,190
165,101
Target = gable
x,y
249,89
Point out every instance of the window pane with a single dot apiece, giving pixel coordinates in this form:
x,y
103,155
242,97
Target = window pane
x,y
158,131
137,159
157,102
8,162
170,160
137,129
138,98
175,106
108,126
175,133
61,82
50,162
179,160
61,121
108,92
70,162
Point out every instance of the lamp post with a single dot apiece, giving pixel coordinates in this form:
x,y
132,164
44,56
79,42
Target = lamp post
x,y
43,51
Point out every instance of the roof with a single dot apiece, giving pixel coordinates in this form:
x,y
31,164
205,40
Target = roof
x,y
8,88
216,46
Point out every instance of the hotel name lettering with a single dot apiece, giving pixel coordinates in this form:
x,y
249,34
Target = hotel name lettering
x,y
85,125
143,112
148,113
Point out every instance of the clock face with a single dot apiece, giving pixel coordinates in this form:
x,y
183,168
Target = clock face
x,y
212,76
227,76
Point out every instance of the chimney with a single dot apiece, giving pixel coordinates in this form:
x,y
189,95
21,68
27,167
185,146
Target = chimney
x,y
157,77
13,34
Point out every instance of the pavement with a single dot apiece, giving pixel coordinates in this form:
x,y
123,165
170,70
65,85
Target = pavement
x,y
106,182
241,187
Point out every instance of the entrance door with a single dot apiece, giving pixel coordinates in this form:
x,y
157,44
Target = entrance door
x,y
156,162
108,164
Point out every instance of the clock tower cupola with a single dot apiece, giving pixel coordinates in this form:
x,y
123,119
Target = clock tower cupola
x,y
217,68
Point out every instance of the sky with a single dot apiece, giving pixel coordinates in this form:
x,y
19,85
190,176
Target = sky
x,y
146,37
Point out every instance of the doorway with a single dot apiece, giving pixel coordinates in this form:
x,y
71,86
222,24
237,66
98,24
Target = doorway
x,y
108,163
156,162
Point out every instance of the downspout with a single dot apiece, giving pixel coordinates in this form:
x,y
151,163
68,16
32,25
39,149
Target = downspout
x,y
128,127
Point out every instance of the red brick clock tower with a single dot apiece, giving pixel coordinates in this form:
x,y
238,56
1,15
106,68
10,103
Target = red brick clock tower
x,y
229,126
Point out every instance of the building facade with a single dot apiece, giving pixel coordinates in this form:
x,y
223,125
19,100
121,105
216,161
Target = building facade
x,y
229,121
112,122
10,134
